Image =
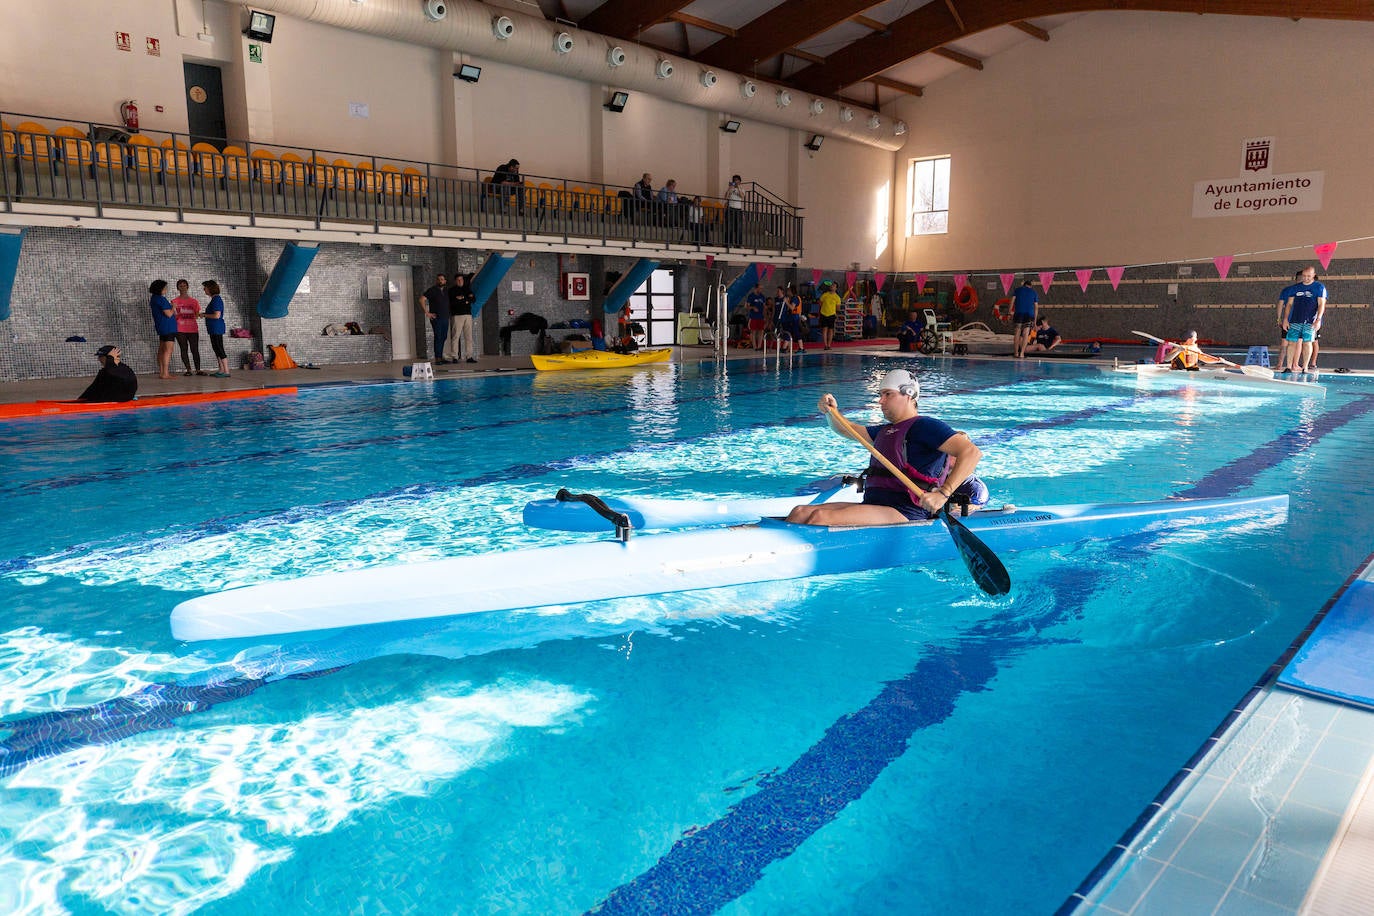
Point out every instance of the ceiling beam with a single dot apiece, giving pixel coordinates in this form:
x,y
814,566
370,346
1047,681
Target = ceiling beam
x,y
805,55
867,23
958,57
627,18
784,26
953,11
1031,29
706,24
899,86
930,26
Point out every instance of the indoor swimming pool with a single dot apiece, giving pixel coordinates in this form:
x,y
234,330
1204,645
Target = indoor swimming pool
x,y
873,743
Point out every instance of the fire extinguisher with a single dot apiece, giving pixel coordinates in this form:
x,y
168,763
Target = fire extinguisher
x,y
128,112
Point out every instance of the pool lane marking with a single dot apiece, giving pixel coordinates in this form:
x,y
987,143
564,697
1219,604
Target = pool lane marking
x,y
788,809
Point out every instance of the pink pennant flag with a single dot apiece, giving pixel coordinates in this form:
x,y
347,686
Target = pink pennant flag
x,y
921,283
1046,278
710,261
1007,281
960,281
878,280
1115,274
816,275
1324,251
849,277
768,272
1084,274
1223,263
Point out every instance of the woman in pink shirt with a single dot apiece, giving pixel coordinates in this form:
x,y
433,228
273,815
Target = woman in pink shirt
x,y
187,309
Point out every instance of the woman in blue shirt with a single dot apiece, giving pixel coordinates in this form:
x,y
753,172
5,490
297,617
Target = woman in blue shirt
x,y
165,323
214,326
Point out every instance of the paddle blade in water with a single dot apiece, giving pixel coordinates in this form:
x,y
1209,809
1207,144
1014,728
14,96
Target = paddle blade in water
x,y
988,571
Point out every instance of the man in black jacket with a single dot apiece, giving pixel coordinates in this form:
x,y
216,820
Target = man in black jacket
x,y
114,382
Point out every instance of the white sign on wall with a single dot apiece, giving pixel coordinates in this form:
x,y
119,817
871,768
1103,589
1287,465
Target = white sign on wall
x,y
1258,189
358,110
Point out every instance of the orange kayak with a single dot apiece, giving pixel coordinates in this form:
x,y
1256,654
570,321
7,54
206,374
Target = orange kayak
x,y
56,408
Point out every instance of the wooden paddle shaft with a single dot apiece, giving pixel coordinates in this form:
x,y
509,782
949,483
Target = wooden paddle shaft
x,y
854,431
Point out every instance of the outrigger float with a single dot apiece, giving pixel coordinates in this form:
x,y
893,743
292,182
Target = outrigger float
x,y
674,561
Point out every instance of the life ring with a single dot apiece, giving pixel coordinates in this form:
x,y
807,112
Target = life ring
x,y
1001,309
966,299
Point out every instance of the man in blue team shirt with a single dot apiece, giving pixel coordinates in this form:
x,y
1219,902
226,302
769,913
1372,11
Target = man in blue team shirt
x,y
1306,305
757,304
1046,337
1283,314
1024,305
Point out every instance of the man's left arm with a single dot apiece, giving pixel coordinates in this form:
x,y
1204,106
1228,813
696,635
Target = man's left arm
x,y
966,456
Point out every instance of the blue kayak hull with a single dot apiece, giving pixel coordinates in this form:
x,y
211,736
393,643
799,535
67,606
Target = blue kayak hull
x,y
658,563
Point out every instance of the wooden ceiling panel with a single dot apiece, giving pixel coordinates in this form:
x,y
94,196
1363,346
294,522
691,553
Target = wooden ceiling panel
x,y
627,18
937,24
784,26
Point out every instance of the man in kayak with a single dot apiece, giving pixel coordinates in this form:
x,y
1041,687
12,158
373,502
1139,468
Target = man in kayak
x,y
929,451
1187,354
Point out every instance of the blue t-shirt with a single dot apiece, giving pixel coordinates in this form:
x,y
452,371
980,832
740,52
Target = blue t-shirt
x,y
1305,296
756,302
215,308
1023,301
1046,337
162,322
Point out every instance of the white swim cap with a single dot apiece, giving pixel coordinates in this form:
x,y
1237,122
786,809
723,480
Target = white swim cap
x,y
901,381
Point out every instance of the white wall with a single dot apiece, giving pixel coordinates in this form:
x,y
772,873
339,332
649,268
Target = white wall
x,y
1084,151
539,118
845,189
317,71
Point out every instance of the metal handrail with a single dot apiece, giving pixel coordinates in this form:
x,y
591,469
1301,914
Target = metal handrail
x,y
180,172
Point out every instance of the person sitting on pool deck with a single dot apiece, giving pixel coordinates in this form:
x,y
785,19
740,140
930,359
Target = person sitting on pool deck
x,y
114,382
1046,337
1187,354
909,334
929,451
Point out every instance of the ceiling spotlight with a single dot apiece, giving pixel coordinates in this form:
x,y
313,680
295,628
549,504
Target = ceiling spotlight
x,y
708,78
899,128
846,114
562,42
503,27
817,106
747,89
730,127
784,98
874,122
616,56
664,69
815,142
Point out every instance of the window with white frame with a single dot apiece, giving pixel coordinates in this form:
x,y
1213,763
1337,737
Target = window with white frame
x,y
928,181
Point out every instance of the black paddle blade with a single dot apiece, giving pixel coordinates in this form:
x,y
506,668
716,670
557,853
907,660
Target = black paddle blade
x,y
988,571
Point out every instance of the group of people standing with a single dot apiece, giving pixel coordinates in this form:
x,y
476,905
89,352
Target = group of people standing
x,y
176,320
448,306
780,314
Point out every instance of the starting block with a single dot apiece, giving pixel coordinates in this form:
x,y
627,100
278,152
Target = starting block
x,y
417,371
1258,356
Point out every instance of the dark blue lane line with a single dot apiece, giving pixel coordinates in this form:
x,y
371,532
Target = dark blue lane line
x,y
720,862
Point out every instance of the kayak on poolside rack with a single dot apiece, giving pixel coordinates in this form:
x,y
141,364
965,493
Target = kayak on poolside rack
x,y
600,359
676,561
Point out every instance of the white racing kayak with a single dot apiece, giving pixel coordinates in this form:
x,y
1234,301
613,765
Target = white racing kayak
x,y
1245,378
552,577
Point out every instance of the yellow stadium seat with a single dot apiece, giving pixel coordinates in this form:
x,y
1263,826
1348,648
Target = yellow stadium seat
x,y
266,166
322,172
294,169
176,157
208,160
147,156
391,180
237,166
345,178
73,145
417,185
366,177
35,141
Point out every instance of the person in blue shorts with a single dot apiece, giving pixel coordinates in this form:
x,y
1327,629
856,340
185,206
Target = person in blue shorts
x,y
1306,307
165,323
1025,303
930,452
757,304
1283,316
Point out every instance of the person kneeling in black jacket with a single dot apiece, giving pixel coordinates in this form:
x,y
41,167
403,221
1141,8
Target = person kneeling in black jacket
x,y
114,382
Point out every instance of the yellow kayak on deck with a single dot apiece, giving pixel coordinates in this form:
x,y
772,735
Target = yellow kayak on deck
x,y
600,359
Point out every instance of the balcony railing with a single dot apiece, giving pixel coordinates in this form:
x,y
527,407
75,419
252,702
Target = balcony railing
x,y
106,167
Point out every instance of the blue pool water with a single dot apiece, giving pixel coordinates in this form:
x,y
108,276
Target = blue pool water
x,y
876,743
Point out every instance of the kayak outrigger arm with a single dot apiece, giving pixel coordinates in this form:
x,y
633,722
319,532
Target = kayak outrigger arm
x,y
620,520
